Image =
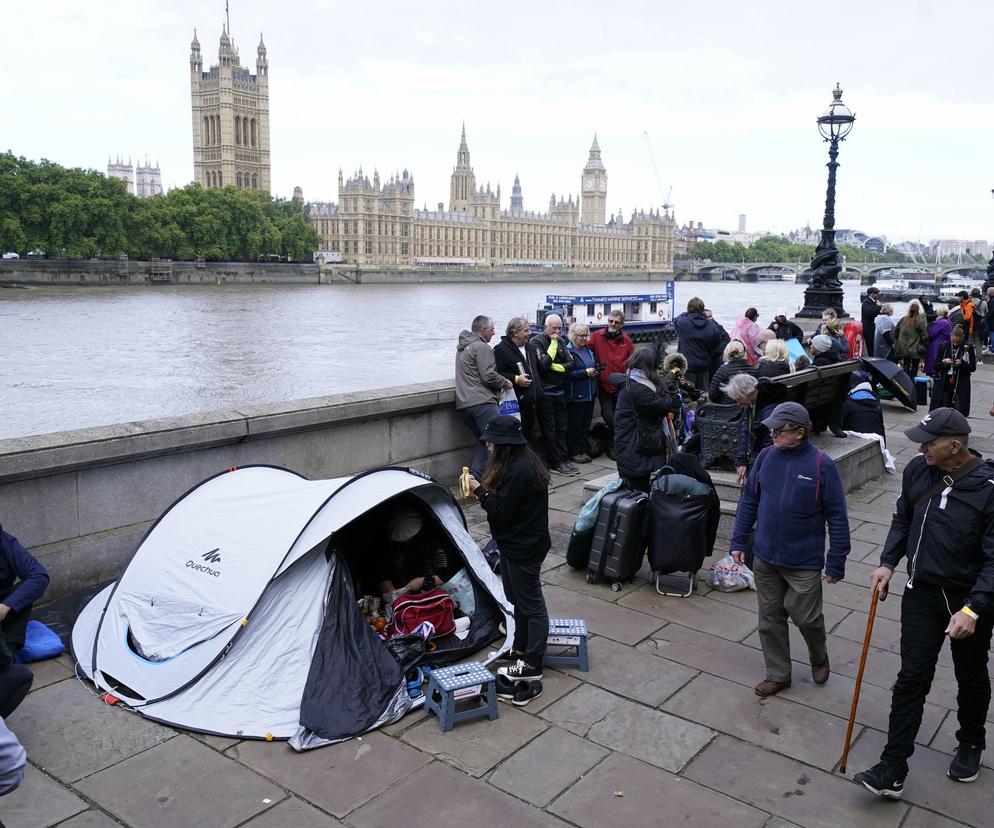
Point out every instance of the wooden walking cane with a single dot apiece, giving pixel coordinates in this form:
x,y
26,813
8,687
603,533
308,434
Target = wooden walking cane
x,y
859,678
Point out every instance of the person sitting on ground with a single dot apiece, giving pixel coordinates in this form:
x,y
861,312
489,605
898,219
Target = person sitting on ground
x,y
951,383
514,493
884,333
784,328
776,361
15,681
861,412
735,362
581,393
938,335
23,580
699,340
643,435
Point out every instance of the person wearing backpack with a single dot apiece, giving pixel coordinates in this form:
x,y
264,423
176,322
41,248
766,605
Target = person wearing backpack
x,y
793,490
514,493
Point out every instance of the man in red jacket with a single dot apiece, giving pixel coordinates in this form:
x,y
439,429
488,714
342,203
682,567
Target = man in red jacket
x,y
611,347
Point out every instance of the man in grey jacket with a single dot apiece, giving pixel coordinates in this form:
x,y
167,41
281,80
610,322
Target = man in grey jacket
x,y
478,385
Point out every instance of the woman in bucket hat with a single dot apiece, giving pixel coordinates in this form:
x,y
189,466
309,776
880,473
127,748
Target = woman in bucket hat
x,y
514,493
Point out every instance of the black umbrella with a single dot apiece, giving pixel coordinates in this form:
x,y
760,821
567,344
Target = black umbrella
x,y
893,379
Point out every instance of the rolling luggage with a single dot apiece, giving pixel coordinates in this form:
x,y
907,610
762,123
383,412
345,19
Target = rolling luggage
x,y
619,537
684,513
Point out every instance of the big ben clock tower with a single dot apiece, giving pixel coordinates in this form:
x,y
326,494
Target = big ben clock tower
x,y
593,188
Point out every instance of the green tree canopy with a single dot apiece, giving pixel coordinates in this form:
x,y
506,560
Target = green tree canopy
x,y
781,249
81,213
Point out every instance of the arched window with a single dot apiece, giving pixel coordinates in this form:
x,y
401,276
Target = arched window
x,y
210,180
205,138
255,181
238,130
245,131
220,179
238,180
213,130
253,132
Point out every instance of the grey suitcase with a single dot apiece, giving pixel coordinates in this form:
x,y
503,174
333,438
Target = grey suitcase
x,y
619,537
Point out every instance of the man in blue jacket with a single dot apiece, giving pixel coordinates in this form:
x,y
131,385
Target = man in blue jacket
x,y
22,582
793,490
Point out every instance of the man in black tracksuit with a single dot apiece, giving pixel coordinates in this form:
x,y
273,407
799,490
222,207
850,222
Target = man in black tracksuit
x,y
944,524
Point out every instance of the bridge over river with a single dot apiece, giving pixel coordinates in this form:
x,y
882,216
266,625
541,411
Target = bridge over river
x,y
867,272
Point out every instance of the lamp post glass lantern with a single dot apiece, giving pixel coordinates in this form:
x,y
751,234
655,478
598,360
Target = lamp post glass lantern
x,y
825,290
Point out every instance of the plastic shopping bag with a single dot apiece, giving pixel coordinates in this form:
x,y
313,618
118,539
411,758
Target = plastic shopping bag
x,y
727,576
508,403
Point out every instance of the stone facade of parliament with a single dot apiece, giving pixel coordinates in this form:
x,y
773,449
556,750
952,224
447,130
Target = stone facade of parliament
x,y
230,118
376,223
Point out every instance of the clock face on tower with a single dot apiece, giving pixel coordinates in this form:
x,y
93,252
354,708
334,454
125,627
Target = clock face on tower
x,y
588,183
603,186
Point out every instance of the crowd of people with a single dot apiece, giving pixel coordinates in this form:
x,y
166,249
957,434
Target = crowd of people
x,y
791,490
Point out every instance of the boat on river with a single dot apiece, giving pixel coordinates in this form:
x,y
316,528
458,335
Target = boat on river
x,y
648,316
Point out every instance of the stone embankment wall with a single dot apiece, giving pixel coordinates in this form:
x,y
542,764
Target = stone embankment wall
x,y
97,273
81,500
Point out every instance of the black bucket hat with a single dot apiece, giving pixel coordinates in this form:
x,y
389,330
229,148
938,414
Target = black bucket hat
x,y
504,430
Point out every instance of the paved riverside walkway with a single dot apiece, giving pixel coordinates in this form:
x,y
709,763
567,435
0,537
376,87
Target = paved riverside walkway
x,y
663,730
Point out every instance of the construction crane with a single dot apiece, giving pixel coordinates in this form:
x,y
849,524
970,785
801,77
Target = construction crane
x,y
652,157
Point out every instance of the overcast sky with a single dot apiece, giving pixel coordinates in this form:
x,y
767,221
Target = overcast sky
x,y
727,92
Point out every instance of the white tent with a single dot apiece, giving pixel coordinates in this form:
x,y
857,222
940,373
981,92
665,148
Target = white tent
x,y
237,614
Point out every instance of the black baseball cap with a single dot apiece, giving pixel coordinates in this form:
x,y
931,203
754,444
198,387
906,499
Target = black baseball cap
x,y
943,422
504,429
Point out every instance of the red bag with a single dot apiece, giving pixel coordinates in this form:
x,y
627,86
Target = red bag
x,y
435,605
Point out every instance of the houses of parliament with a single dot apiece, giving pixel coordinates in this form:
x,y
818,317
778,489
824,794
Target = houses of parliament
x,y
375,223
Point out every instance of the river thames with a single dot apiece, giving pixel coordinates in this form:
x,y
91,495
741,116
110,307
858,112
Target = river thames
x,y
80,357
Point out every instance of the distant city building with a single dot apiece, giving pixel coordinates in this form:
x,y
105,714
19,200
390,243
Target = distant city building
x,y
805,235
143,181
376,223
230,118
742,222
126,172
959,247
148,180
857,238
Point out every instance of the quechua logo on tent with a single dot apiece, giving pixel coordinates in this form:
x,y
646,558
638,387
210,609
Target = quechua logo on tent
x,y
211,557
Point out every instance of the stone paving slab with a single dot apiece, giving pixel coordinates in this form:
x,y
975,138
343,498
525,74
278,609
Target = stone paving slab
x,y
944,739
576,580
666,741
546,766
89,819
708,653
628,672
856,596
39,802
920,818
789,789
181,782
578,711
709,616
927,784
48,672
442,797
293,812
71,734
650,797
478,745
555,685
603,618
775,723
337,778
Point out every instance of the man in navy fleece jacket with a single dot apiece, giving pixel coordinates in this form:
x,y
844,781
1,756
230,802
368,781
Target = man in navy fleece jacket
x,y
793,490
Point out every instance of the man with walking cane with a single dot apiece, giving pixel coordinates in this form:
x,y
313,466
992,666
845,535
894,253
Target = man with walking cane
x,y
944,524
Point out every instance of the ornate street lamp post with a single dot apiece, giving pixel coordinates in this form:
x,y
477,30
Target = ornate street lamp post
x,y
825,289
989,282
